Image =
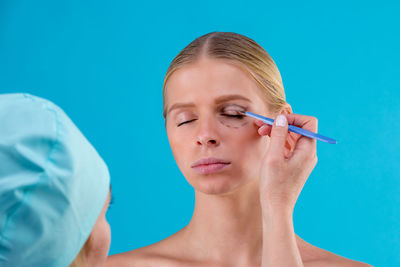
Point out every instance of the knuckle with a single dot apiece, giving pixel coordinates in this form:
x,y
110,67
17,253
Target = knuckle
x,y
309,157
314,151
315,161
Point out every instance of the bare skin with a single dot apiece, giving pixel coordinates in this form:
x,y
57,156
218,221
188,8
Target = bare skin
x,y
98,243
99,239
243,212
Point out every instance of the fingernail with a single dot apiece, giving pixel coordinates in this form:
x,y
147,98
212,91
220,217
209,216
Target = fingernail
x,y
281,121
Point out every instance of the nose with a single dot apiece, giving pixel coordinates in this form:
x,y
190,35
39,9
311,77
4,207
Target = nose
x,y
207,134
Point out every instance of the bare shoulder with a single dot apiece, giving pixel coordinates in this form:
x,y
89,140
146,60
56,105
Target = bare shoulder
x,y
131,258
143,257
159,254
317,257
336,261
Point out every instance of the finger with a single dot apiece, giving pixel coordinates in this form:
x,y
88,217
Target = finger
x,y
259,123
279,134
265,130
309,123
292,140
307,147
305,122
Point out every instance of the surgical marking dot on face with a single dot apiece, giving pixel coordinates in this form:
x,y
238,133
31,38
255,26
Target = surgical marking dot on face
x,y
231,116
232,126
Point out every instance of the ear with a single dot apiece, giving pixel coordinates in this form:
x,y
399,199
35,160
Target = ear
x,y
291,138
286,109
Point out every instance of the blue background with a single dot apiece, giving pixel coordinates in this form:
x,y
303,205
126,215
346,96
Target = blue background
x,y
104,62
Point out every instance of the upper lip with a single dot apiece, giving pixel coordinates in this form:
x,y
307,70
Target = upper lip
x,y
205,161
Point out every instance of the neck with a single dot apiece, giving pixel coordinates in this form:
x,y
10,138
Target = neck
x,y
229,226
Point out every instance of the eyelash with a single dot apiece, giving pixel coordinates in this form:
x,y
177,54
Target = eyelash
x,y
185,122
238,116
111,203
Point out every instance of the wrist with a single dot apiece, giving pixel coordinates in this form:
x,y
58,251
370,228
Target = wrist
x,y
279,202
277,215
276,212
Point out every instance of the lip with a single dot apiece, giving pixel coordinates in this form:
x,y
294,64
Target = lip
x,y
209,165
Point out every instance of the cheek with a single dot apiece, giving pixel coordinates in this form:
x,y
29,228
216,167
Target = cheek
x,y
106,236
100,240
250,147
179,143
245,135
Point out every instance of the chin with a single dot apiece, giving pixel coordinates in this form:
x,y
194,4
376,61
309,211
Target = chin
x,y
215,184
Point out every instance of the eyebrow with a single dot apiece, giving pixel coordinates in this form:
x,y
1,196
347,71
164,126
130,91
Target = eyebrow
x,y
219,100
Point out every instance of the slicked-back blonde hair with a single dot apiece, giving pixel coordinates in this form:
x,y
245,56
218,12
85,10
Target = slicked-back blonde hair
x,y
238,49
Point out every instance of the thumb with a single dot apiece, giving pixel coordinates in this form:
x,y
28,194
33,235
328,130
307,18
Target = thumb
x,y
279,134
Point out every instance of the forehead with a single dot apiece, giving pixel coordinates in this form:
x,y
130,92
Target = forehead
x,y
207,79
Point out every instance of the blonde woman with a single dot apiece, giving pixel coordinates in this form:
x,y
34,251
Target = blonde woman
x,y
54,189
247,176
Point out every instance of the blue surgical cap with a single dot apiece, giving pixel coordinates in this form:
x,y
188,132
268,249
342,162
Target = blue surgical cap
x,y
53,184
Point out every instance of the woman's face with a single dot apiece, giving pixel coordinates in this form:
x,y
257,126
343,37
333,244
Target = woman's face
x,y
203,101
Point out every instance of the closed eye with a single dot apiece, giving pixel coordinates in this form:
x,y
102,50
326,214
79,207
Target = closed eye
x,y
236,116
185,122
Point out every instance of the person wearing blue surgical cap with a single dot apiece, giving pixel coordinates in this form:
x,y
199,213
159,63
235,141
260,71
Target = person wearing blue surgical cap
x,y
54,188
